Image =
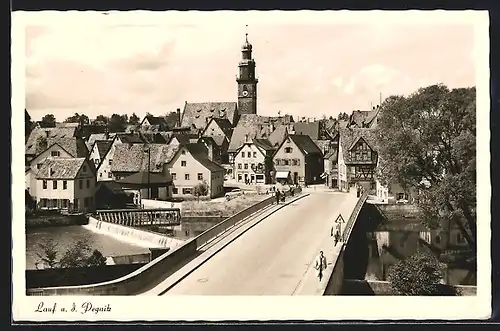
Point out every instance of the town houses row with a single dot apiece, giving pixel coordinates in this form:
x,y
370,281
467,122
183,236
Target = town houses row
x,y
211,143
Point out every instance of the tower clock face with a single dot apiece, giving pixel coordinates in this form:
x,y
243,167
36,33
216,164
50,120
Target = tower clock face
x,y
245,93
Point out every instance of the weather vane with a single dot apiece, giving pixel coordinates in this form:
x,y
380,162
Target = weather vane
x,y
246,32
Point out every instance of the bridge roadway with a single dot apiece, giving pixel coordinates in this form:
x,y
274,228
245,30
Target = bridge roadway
x,y
274,256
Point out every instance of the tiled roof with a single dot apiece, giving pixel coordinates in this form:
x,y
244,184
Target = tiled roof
x,y
349,135
134,157
198,114
310,129
103,147
363,119
67,125
225,126
260,127
143,177
41,138
98,136
323,145
60,168
264,144
199,152
130,138
184,138
305,144
156,120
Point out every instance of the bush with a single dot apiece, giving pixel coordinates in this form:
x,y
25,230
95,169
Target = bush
x,y
78,255
419,274
201,189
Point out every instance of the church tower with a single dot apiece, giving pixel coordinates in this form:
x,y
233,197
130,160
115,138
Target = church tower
x,y
247,82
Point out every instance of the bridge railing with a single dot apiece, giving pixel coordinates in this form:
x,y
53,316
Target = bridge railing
x,y
221,227
354,215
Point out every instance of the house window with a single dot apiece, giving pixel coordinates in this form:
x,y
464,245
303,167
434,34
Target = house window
x,y
239,165
186,176
239,178
243,154
286,162
110,161
200,176
186,190
109,175
88,183
253,166
174,176
288,149
183,152
80,183
298,162
183,163
294,162
55,153
249,154
39,165
175,190
254,154
44,183
365,156
96,161
246,166
65,184
54,184
100,175
277,161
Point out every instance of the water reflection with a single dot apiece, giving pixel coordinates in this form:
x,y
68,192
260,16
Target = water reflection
x,y
385,248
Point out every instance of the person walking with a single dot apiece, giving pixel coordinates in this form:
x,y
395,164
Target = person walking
x,y
278,193
320,265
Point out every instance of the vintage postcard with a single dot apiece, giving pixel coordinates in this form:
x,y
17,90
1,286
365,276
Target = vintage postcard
x,y
212,166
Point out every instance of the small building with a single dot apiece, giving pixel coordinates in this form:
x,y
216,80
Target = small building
x,y
253,162
154,123
190,166
66,183
130,159
298,160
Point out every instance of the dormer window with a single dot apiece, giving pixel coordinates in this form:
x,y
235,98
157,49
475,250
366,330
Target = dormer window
x,y
55,153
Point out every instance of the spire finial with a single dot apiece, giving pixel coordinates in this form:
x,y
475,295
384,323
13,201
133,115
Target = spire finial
x,y
246,32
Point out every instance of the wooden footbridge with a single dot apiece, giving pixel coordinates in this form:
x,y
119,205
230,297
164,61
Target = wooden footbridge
x,y
141,217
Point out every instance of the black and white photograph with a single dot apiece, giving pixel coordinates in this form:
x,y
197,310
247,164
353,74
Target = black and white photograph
x,y
213,165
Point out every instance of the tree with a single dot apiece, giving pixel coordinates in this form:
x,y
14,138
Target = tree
x,y
134,119
343,116
117,123
201,189
77,118
47,254
419,274
78,255
172,119
102,119
48,121
427,141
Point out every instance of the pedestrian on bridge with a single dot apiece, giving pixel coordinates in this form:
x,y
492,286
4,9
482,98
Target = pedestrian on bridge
x,y
320,265
278,194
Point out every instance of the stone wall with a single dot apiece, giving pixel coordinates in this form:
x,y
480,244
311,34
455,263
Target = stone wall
x,y
373,287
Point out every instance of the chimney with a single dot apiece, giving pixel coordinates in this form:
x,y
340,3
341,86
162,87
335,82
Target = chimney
x,y
246,138
178,117
47,133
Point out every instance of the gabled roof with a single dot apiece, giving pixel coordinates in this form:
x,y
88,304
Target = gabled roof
x,y
60,168
260,127
323,145
199,153
349,136
184,138
310,129
304,143
98,136
225,126
155,120
363,119
130,138
41,138
134,157
103,147
265,144
198,114
212,140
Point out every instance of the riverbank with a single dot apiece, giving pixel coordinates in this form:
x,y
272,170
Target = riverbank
x,y
43,219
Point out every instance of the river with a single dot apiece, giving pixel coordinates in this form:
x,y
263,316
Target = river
x,y
65,236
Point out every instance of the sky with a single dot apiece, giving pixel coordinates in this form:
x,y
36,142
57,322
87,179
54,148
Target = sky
x,y
304,69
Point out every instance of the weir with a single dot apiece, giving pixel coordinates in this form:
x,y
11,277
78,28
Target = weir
x,y
141,217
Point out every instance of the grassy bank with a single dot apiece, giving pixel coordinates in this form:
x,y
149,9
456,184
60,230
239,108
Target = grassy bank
x,y
221,207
